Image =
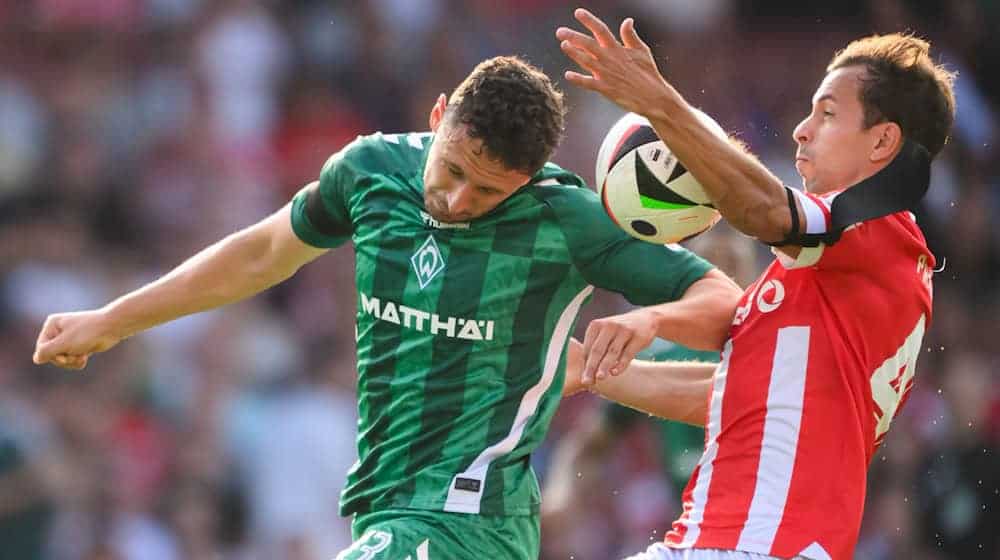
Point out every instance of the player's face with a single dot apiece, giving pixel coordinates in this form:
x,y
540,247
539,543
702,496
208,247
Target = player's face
x,y
461,182
835,151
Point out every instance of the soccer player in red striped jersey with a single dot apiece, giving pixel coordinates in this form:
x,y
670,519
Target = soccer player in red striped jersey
x,y
822,349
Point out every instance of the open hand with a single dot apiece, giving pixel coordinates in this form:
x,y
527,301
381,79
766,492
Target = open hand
x,y
624,72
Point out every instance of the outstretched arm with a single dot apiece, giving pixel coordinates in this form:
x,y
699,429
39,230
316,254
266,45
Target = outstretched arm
x,y
239,266
749,196
677,391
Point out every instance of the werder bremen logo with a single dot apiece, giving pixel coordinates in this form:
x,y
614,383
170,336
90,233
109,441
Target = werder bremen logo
x,y
427,262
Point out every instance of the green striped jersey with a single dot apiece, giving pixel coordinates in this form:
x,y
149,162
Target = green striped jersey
x,y
462,328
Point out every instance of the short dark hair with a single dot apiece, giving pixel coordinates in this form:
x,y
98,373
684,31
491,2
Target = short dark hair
x,y
903,85
514,109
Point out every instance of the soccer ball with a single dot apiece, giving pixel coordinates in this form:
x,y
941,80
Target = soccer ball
x,y
645,190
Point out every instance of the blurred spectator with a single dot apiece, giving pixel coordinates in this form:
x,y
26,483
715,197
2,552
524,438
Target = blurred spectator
x,y
136,132
958,480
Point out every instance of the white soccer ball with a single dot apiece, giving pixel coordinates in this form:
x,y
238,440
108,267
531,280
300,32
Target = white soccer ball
x,y
645,190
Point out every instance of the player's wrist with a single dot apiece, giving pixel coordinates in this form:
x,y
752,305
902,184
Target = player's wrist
x,y
663,105
660,320
109,323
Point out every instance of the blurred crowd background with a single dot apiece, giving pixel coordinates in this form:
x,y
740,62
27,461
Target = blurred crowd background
x,y
135,132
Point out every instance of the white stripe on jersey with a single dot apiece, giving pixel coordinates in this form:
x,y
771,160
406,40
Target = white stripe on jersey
x,y
417,140
815,217
699,495
785,394
550,182
467,501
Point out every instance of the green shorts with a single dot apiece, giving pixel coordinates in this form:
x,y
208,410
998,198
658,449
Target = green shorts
x,y
411,534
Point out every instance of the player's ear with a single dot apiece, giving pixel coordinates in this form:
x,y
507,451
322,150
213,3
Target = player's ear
x,y
887,140
437,112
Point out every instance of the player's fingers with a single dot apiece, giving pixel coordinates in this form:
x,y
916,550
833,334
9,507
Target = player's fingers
x,y
582,80
47,350
64,360
598,348
578,39
50,330
634,346
41,355
630,38
581,57
69,362
596,26
611,356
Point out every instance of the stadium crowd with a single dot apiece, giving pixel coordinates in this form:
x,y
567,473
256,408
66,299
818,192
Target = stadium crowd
x,y
136,132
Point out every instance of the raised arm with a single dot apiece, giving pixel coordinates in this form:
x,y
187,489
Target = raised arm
x,y
239,266
749,196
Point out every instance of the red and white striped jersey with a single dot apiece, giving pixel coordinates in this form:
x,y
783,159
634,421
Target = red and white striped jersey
x,y
820,358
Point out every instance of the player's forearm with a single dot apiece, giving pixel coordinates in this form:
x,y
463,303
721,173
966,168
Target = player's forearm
x,y
702,317
232,269
677,391
749,196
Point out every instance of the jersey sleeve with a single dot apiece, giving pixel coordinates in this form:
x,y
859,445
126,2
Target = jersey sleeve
x,y
645,273
321,214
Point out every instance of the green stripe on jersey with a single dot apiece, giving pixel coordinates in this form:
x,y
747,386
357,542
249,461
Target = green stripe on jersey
x,y
444,394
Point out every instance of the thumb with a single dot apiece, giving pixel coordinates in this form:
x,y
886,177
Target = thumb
x,y
630,38
48,334
45,352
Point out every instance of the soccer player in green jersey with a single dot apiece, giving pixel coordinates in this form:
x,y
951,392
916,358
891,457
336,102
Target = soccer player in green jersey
x,y
473,258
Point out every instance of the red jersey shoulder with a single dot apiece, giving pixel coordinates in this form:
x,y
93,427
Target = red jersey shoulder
x,y
889,252
883,243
